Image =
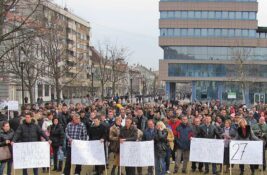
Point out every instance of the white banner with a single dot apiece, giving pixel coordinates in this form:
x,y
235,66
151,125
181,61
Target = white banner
x,y
137,154
246,152
13,105
31,155
207,150
87,153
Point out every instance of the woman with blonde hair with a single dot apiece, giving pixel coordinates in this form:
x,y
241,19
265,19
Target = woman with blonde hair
x,y
244,132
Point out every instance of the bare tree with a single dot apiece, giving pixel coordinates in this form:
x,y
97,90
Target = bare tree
x,y
62,66
118,57
16,15
239,71
26,54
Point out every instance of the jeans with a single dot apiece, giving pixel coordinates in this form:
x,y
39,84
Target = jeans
x,y
68,164
167,158
9,167
160,164
55,149
35,171
214,168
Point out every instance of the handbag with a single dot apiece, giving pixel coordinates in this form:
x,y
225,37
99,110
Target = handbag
x,y
5,153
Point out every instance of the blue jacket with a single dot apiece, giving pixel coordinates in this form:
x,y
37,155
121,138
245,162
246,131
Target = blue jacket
x,y
183,138
149,134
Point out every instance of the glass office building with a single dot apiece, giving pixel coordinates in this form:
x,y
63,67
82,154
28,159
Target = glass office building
x,y
216,46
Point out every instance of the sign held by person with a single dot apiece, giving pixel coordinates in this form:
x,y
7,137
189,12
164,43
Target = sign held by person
x,y
87,152
137,154
31,155
206,150
13,105
246,152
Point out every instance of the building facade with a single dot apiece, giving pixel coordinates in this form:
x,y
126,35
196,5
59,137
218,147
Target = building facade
x,y
215,46
74,45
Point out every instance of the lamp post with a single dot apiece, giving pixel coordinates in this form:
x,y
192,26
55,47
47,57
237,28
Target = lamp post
x,y
21,64
131,88
92,77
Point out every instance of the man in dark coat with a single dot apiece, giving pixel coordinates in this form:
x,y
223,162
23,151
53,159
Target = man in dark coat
x,y
128,133
64,117
28,131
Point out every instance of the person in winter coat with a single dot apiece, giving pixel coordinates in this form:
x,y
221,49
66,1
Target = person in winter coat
x,y
244,132
209,131
183,138
161,144
196,130
140,120
228,133
114,146
128,133
149,134
64,117
56,133
260,130
28,131
6,135
98,132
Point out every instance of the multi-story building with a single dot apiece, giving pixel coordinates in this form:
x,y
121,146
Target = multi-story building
x,y
74,41
216,46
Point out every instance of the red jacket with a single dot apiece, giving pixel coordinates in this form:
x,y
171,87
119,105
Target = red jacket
x,y
174,125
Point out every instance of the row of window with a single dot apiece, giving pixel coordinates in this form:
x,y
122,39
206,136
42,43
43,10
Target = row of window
x,y
220,15
215,70
262,35
208,0
208,33
212,53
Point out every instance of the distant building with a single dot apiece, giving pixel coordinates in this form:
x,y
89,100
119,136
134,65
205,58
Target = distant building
x,y
216,47
76,35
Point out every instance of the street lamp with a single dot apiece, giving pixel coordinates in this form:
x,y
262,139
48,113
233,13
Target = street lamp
x,y
21,64
92,77
131,88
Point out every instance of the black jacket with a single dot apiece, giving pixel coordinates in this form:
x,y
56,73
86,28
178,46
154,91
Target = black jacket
x,y
97,132
14,123
56,135
6,136
64,119
29,132
129,134
161,142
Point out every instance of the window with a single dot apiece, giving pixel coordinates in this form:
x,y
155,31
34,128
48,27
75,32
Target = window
x,y
224,32
232,15
210,32
252,15
231,32
218,15
178,14
190,32
245,15
211,15
170,32
204,32
244,33
237,32
217,32
183,32
40,90
46,90
238,15
163,32
163,14
191,14
224,15
177,32
197,32
204,14
184,14
252,33
197,14
170,14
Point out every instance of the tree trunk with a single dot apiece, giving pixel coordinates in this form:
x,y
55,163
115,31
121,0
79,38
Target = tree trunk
x,y
58,91
243,93
30,90
113,88
102,90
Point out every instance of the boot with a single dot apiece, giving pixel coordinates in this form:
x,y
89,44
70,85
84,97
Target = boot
x,y
60,166
113,170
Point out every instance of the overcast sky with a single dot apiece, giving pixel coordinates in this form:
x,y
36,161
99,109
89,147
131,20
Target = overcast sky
x,y
130,23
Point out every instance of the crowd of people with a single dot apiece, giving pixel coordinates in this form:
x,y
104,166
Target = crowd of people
x,y
170,125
